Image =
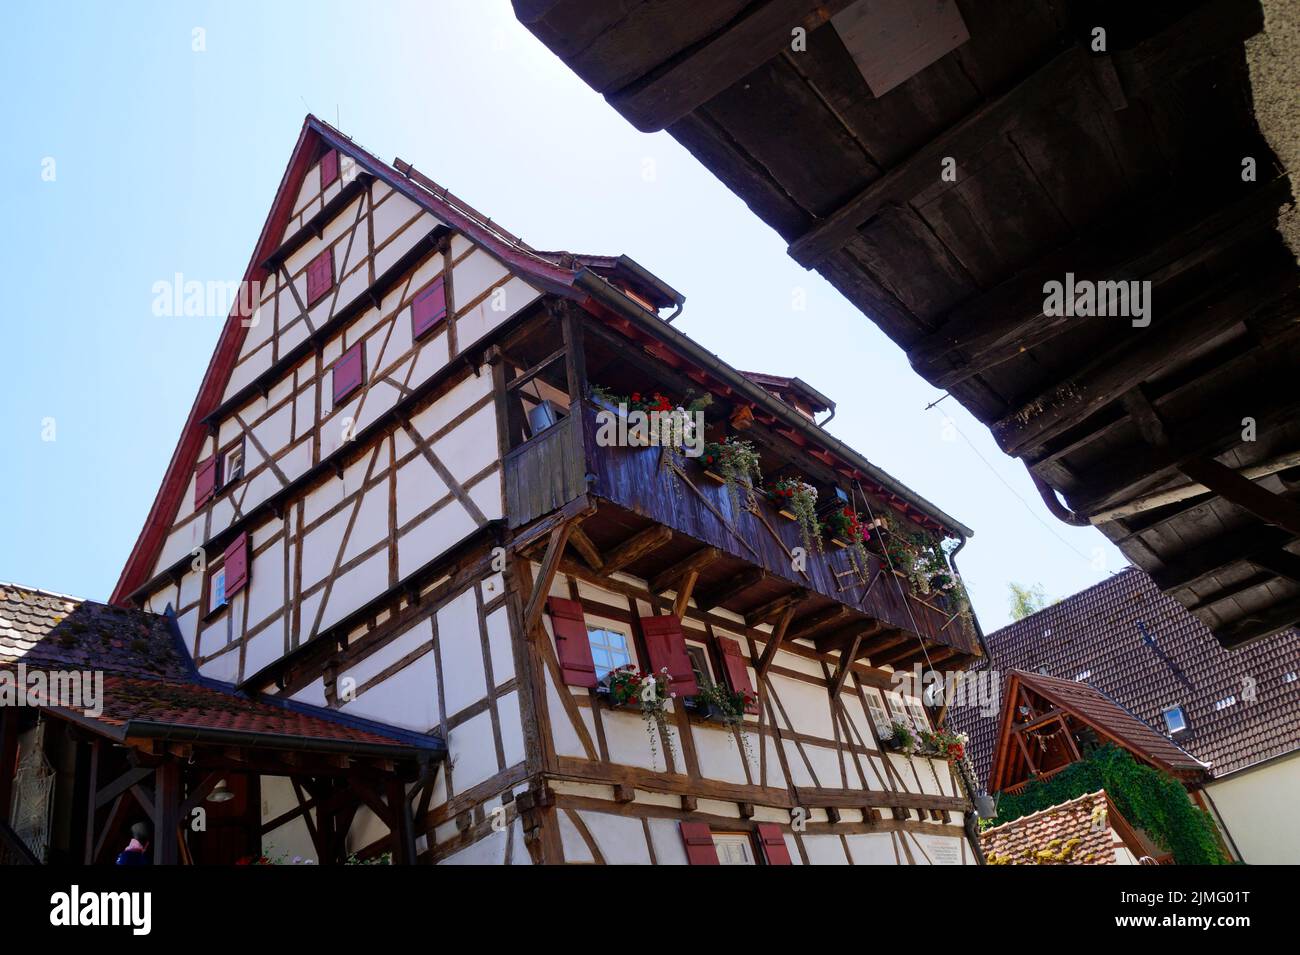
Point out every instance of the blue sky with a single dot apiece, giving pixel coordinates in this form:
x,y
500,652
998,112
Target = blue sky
x,y
166,158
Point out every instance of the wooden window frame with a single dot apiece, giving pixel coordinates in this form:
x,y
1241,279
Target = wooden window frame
x,y
755,855
224,480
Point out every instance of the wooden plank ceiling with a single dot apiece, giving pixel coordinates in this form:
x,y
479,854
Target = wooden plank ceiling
x,y
1125,165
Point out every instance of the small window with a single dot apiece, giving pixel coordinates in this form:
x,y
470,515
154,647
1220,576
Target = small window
x,y
920,719
1289,676
232,464
734,848
1082,675
1226,702
700,666
1175,721
609,650
217,596
883,724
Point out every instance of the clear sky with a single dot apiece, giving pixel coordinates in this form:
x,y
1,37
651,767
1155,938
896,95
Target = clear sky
x,y
129,156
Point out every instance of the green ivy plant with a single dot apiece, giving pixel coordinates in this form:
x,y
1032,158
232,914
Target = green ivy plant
x,y
736,462
1149,799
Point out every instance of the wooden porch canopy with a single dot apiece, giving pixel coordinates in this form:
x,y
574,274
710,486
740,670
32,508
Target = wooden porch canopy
x,y
1044,719
940,163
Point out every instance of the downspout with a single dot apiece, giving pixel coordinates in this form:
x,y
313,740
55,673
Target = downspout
x,y
1059,510
974,791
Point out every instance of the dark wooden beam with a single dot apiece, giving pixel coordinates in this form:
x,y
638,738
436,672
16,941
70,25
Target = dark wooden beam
x,y
707,68
583,545
845,665
1262,624
814,622
730,589
1069,70
1138,354
1197,562
683,598
636,547
777,605
841,638
1242,491
774,642
695,561
1283,563
1168,236
166,813
542,585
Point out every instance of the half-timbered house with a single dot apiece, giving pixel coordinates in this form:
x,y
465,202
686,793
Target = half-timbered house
x,y
391,500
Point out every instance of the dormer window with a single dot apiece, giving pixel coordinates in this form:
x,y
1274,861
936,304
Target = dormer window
x,y
1175,720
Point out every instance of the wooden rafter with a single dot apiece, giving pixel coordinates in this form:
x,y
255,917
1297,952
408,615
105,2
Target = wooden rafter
x,y
730,589
668,94
775,641
696,561
583,545
636,547
777,605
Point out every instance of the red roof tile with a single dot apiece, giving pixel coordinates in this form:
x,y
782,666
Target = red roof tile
x,y
1082,831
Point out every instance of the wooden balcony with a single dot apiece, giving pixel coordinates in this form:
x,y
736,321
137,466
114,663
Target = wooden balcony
x,y
661,524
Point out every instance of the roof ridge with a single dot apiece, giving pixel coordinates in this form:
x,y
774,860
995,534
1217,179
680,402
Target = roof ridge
x,y
47,593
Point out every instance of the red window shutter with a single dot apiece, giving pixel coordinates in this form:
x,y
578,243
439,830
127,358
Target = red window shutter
x,y
429,309
235,564
700,849
329,168
667,647
205,481
349,371
737,668
320,276
571,642
774,848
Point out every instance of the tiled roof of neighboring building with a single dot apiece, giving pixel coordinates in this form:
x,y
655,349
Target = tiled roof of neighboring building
x,y
1142,649
150,688
44,629
1082,831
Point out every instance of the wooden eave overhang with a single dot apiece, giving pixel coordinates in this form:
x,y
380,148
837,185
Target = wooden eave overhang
x,y
1123,165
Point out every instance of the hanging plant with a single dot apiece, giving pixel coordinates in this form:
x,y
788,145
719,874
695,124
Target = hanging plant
x,y
671,426
900,738
843,525
800,498
736,462
730,706
627,685
944,745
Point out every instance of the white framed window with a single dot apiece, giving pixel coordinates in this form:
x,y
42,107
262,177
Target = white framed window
x,y
920,718
609,650
1175,720
1082,675
1226,702
879,718
1289,676
232,464
700,665
217,591
734,848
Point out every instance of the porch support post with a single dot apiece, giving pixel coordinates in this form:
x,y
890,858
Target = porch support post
x,y
8,758
403,827
167,798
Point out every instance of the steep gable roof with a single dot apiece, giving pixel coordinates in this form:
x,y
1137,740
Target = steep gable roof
x,y
1089,705
592,281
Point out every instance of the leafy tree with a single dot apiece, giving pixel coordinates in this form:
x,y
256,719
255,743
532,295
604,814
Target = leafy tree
x,y
1026,600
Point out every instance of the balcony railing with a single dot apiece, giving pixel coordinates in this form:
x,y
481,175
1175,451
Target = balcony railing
x,y
545,473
